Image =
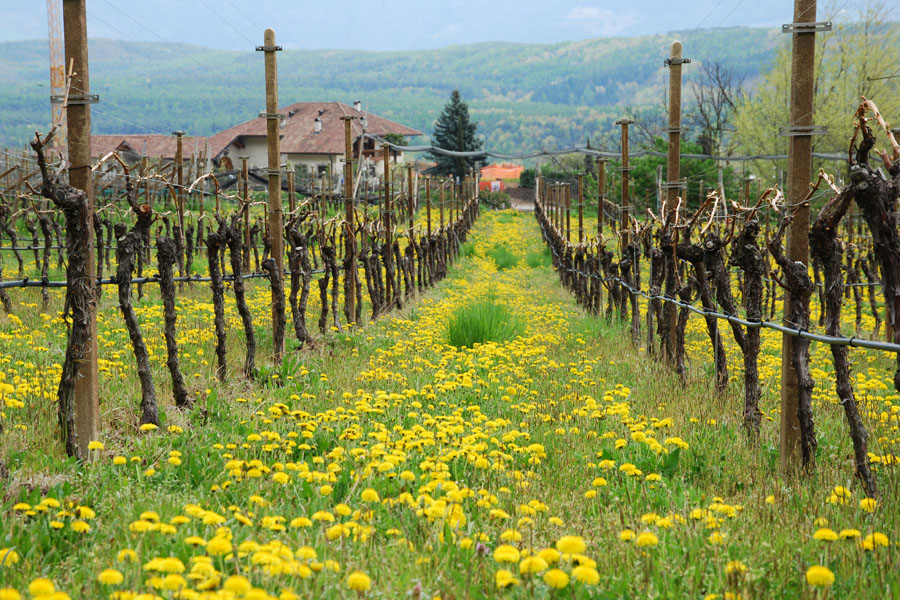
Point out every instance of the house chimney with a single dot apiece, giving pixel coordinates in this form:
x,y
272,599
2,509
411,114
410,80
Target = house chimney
x,y
317,125
358,105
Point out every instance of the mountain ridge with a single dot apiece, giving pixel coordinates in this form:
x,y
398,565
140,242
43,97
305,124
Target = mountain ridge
x,y
523,95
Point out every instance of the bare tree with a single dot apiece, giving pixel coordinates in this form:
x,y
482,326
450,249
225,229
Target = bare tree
x,y
716,92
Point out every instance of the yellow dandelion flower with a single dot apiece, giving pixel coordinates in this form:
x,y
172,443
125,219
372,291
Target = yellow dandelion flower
x,y
506,553
868,504
359,581
237,584
819,576
41,587
586,575
110,577
8,593
532,564
825,534
571,544
556,578
8,556
504,579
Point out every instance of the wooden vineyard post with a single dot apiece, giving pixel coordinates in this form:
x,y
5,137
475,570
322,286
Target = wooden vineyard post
x,y
673,167
567,199
625,168
350,270
388,241
292,196
245,199
428,203
410,200
274,220
86,396
673,161
799,175
179,197
580,209
601,195
554,205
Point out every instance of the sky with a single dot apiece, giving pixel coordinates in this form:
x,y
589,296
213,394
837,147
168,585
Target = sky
x,y
385,25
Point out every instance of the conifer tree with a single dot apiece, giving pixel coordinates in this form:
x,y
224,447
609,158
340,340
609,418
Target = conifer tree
x,y
454,131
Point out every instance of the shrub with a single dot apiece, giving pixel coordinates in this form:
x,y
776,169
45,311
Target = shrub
x,y
495,200
527,178
503,257
483,321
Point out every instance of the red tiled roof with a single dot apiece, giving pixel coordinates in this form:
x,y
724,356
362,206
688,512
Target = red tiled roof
x,y
154,145
299,136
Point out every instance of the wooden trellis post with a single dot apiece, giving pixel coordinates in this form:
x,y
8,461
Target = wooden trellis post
x,y
801,129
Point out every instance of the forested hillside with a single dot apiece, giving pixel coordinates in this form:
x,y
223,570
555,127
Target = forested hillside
x,y
523,95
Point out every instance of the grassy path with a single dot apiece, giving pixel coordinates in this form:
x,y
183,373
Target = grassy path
x,y
560,463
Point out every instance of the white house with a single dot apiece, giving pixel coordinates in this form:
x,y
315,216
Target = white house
x,y
312,134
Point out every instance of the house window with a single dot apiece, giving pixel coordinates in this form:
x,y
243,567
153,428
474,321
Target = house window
x,y
322,170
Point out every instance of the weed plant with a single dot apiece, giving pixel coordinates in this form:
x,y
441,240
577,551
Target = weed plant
x,y
503,257
486,320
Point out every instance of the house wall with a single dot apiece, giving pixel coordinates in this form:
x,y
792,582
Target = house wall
x,y
255,149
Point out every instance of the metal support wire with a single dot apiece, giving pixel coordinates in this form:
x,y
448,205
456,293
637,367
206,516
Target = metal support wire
x,y
853,342
45,283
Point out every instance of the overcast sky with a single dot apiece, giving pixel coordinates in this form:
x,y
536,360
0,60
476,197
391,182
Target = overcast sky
x,y
405,24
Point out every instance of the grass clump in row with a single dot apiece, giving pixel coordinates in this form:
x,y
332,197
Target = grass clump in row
x,y
538,258
485,320
503,257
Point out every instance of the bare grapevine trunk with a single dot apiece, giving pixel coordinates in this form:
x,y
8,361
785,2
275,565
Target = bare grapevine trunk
x,y
127,246
215,241
233,239
800,287
827,249
165,254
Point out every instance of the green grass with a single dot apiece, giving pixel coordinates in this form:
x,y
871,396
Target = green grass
x,y
468,249
529,419
486,320
503,257
538,258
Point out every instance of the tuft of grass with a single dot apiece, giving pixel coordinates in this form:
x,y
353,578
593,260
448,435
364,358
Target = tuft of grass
x,y
503,257
539,258
486,320
468,249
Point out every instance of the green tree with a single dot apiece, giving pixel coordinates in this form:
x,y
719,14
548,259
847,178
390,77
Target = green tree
x,y
453,130
853,60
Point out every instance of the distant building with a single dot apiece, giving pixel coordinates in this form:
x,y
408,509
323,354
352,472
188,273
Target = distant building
x,y
312,135
154,146
493,176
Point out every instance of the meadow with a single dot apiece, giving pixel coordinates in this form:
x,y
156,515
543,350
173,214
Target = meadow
x,y
489,440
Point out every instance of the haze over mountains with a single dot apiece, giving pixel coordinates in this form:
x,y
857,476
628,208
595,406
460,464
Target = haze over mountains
x,y
523,95
395,24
